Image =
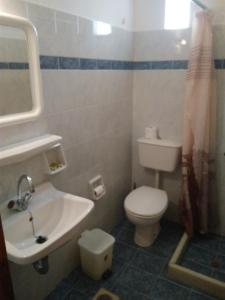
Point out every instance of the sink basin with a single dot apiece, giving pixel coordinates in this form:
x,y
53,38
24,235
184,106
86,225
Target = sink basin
x,y
56,216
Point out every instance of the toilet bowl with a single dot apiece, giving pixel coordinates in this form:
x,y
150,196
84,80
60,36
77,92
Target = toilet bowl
x,y
144,208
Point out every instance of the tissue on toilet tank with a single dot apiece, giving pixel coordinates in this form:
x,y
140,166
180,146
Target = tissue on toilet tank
x,y
151,132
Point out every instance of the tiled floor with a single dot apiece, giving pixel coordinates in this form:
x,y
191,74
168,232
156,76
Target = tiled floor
x,y
138,273
206,255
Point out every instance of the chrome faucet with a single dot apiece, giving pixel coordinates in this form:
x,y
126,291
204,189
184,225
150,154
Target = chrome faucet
x,y
22,201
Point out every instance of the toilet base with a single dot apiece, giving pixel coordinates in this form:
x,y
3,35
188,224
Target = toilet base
x,y
146,235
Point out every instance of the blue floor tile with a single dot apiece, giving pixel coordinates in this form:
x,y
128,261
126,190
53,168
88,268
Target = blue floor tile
x,y
167,290
126,235
150,263
89,287
219,275
76,295
164,248
142,281
204,255
73,276
124,252
128,294
209,242
200,255
141,273
61,291
86,285
128,224
166,241
171,233
221,248
194,266
116,230
117,268
221,262
200,296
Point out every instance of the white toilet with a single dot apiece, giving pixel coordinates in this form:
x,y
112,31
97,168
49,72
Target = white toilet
x,y
145,206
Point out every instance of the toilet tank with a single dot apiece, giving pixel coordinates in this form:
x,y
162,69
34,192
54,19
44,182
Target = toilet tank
x,y
162,155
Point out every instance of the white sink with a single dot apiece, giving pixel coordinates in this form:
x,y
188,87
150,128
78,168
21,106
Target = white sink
x,y
56,215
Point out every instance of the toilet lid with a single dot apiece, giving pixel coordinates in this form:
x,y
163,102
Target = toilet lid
x,y
146,201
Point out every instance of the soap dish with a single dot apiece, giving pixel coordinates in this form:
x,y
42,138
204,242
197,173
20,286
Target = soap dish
x,y
55,160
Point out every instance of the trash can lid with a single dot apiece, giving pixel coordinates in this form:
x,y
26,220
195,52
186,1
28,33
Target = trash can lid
x,y
96,241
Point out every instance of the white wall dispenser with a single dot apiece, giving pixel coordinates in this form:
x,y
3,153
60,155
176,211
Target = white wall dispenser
x,y
55,159
97,187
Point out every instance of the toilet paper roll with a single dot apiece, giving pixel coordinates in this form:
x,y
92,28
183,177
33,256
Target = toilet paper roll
x,y
99,191
151,132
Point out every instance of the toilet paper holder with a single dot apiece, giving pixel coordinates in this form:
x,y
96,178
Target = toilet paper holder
x,y
97,187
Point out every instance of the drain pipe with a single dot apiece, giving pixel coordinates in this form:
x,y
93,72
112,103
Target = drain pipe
x,y
42,266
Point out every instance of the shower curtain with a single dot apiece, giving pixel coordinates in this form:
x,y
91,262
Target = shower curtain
x,y
199,127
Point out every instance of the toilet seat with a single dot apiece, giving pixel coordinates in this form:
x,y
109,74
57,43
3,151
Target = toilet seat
x,y
146,202
146,217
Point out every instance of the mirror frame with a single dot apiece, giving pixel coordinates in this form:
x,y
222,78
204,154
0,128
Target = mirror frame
x,y
34,70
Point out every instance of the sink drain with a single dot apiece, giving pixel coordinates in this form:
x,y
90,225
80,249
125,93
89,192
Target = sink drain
x,y
41,239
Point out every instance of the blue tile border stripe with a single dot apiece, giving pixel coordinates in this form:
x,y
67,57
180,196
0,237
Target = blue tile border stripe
x,y
75,63
67,63
13,66
48,62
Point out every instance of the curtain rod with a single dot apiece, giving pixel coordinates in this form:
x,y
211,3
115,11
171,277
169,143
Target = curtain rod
x,y
200,4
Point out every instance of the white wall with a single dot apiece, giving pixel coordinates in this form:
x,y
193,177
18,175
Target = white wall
x,y
149,14
76,102
118,13
139,15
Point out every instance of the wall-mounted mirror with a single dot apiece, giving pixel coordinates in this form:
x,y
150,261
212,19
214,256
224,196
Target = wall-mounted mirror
x,y
20,83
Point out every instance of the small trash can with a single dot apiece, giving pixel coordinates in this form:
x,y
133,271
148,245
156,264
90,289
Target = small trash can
x,y
96,248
